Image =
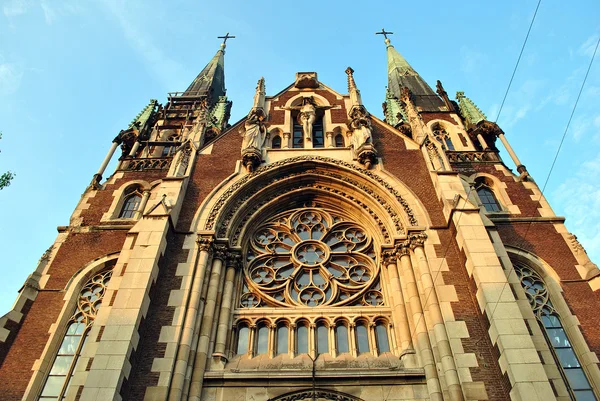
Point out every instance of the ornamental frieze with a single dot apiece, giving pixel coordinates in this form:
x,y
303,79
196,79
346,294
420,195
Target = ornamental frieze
x,y
216,209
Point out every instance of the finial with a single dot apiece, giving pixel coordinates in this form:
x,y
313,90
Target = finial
x,y
385,34
224,44
351,83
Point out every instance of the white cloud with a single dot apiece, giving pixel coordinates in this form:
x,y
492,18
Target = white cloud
x,y
520,102
12,8
587,47
579,198
10,78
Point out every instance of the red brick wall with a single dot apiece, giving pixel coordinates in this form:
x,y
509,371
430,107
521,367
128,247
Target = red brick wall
x,y
410,168
100,203
28,345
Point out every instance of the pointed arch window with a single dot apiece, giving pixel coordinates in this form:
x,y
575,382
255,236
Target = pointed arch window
x,y
381,335
131,203
443,137
262,340
339,141
243,339
318,136
297,135
554,332
486,196
341,338
282,339
302,338
362,338
67,357
276,142
322,338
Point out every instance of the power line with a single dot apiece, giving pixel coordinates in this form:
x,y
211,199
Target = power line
x,y
471,187
554,161
518,60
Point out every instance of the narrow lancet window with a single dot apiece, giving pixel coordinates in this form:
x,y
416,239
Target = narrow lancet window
x,y
383,343
362,338
63,367
282,340
302,339
262,340
243,338
130,205
322,339
341,338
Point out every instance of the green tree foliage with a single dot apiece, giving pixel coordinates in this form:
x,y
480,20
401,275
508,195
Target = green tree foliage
x,y
7,177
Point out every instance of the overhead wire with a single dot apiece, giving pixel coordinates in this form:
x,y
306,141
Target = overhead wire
x,y
553,162
472,186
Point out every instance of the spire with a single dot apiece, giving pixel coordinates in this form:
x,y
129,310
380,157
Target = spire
x,y
355,98
470,112
140,121
402,75
259,96
211,80
394,113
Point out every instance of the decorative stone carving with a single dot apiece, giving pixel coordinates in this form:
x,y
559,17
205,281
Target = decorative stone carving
x,y
220,252
434,155
316,394
205,243
255,130
306,80
417,240
360,125
211,220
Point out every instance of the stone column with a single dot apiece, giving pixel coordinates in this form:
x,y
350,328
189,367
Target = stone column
x,y
482,141
329,140
352,346
140,210
205,328
286,140
422,337
432,304
226,308
312,346
134,148
404,344
109,155
183,352
511,152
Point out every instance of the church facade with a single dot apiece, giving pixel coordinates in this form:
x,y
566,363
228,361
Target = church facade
x,y
309,251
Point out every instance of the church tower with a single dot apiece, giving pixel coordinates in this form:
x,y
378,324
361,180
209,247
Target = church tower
x,y
309,251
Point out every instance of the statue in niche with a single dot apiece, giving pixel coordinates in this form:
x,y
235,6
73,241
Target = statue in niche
x,y
307,115
360,124
255,130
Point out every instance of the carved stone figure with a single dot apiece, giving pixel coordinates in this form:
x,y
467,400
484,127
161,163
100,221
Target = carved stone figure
x,y
307,117
255,130
360,124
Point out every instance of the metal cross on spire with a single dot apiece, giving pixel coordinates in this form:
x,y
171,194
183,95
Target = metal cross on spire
x,y
225,38
384,33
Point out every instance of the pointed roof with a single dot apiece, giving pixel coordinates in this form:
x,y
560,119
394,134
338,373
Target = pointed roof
x,y
211,79
140,121
402,75
469,110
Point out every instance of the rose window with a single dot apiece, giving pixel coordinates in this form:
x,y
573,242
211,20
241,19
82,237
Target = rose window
x,y
310,257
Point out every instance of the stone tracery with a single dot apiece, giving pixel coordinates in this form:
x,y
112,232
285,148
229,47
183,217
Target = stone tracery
x,y
310,257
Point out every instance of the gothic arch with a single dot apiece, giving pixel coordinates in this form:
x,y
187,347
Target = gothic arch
x,y
57,330
392,207
587,357
318,393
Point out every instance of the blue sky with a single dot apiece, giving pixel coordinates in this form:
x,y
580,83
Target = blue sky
x,y
74,73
